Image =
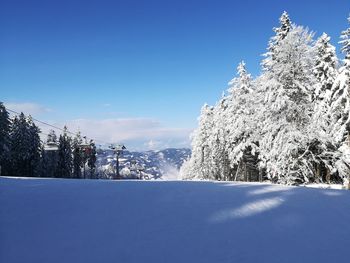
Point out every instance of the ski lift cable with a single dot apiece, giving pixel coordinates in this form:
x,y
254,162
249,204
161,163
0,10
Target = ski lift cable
x,y
58,128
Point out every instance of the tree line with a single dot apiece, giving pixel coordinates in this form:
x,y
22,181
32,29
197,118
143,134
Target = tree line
x,y
23,154
290,124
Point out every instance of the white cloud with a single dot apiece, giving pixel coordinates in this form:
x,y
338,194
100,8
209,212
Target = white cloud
x,y
135,133
27,108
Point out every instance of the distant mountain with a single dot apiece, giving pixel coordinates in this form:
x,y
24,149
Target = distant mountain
x,y
156,164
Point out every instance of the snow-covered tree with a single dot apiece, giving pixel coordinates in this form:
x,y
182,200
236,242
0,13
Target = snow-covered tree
x,y
217,142
340,108
240,123
345,42
280,33
290,125
243,83
199,166
4,140
49,157
340,101
288,93
325,70
65,160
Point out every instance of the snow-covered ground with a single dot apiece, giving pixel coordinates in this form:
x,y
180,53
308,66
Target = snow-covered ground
x,y
50,220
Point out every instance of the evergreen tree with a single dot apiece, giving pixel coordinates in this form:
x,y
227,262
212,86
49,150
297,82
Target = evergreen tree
x,y
20,147
65,160
92,160
325,68
345,42
340,101
340,110
280,33
325,71
199,166
242,83
288,88
218,140
240,123
34,147
5,125
78,158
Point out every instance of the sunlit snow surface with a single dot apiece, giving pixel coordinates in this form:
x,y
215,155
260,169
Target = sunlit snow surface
x,y
49,220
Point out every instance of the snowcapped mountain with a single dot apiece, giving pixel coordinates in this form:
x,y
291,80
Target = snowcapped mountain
x,y
156,164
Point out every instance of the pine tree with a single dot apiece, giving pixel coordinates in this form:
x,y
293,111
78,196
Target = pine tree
x,y
65,160
325,71
217,141
4,141
345,42
78,157
199,165
34,147
242,83
240,123
288,89
325,68
280,33
92,159
340,110
19,147
340,101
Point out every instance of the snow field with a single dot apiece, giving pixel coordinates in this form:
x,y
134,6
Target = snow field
x,y
66,220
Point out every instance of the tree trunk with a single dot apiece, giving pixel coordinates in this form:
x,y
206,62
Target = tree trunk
x,y
318,170
328,176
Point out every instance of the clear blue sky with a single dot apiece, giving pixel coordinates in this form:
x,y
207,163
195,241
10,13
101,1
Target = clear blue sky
x,y
140,59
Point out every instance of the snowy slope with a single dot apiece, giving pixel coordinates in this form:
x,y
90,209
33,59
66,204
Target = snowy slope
x,y
57,220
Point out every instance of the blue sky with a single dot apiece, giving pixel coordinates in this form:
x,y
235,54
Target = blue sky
x,y
138,67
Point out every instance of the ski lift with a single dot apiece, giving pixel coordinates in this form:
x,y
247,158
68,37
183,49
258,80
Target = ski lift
x,y
51,146
118,148
85,146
